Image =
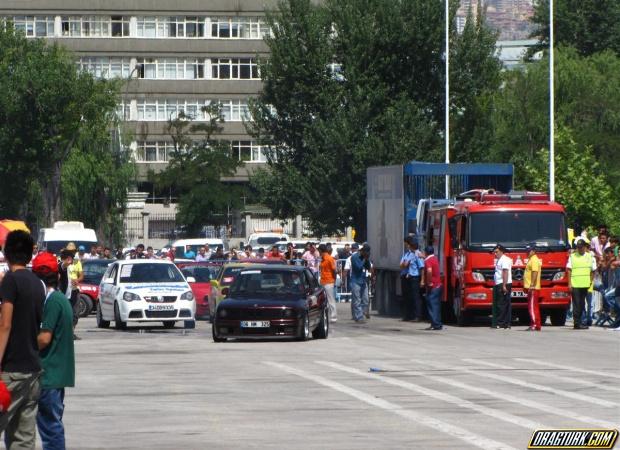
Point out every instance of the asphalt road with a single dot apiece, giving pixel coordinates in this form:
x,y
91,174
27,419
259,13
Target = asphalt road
x,y
460,388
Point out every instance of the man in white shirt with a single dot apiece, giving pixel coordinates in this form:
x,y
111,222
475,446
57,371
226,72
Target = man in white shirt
x,y
502,307
601,241
202,255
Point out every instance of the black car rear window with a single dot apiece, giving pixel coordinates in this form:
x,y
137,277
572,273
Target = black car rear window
x,y
256,283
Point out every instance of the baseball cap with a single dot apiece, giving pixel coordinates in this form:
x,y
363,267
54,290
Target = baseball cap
x,y
5,397
82,248
45,263
355,246
580,241
429,249
531,246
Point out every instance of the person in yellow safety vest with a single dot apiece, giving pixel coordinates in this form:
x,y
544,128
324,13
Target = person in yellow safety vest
x,y
580,272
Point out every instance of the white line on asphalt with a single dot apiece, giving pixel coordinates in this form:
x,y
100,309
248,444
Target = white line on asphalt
x,y
438,425
495,413
553,375
508,397
538,387
572,369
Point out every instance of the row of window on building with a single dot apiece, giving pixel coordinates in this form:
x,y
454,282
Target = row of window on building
x,y
161,151
172,68
160,110
162,27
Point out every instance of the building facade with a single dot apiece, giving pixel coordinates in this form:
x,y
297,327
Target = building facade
x,y
176,56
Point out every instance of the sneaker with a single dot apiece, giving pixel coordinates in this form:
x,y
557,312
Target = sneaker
x,y
367,315
360,321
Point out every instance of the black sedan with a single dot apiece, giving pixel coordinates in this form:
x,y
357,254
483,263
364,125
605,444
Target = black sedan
x,y
272,301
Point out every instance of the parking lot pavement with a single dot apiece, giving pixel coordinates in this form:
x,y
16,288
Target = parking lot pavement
x,y
385,384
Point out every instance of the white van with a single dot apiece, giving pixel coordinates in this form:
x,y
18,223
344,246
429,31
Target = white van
x,y
56,238
266,240
195,244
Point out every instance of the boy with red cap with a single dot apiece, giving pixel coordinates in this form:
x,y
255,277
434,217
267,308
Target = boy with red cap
x,y
55,342
22,295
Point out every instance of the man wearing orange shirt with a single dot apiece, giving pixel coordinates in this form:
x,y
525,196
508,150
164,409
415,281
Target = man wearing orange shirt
x,y
328,279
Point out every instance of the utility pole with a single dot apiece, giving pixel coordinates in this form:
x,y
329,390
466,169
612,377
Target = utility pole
x,y
447,94
551,108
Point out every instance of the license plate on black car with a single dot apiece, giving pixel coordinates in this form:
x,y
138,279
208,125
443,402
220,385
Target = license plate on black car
x,y
255,324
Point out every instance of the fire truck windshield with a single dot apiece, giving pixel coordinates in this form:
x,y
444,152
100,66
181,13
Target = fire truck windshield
x,y
515,229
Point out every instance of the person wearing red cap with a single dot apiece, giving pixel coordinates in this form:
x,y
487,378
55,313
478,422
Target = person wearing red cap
x,y
22,295
55,342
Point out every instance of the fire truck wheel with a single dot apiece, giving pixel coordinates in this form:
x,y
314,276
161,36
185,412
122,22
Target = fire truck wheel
x,y
524,317
462,317
558,318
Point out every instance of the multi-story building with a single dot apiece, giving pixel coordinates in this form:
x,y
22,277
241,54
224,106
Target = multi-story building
x,y
176,56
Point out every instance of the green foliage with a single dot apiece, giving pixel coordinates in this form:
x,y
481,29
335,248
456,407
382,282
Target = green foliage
x,y
196,169
587,101
95,178
383,105
581,183
590,26
46,109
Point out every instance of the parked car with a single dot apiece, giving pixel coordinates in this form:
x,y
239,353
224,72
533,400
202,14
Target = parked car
x,y
199,276
226,276
144,290
89,287
272,301
266,240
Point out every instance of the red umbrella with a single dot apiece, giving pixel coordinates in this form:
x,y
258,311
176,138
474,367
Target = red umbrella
x,y
6,226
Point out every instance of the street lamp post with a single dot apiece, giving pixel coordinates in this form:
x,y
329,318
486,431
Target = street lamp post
x,y
551,108
447,94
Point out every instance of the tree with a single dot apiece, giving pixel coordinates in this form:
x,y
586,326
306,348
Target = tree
x,y
355,83
581,184
587,101
196,169
48,106
95,179
590,26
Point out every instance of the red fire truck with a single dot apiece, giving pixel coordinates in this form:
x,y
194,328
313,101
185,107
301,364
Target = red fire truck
x,y
464,233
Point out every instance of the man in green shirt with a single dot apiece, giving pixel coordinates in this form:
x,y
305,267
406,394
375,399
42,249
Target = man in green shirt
x,y
57,354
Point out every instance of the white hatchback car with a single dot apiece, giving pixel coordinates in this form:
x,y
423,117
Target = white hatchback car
x,y
144,290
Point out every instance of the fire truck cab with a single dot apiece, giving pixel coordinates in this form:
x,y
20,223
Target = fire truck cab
x,y
464,234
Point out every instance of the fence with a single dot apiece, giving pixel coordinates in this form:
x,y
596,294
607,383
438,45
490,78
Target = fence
x,y
143,226
258,222
162,226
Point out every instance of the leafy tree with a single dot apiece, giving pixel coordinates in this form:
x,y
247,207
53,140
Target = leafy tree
x,y
581,183
587,101
355,83
46,108
590,26
196,169
95,178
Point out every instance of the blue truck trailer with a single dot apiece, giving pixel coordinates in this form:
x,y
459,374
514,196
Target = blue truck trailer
x,y
396,199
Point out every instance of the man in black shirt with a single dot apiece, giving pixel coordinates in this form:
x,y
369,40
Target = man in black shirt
x,y
22,295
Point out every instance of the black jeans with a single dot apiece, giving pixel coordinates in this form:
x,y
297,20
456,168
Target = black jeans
x,y
579,302
504,306
75,295
412,300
